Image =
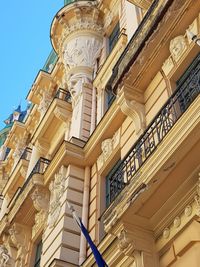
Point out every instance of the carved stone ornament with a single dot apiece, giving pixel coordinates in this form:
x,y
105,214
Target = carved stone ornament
x,y
188,211
107,147
44,103
124,240
20,236
57,188
19,149
82,51
177,222
166,233
4,256
197,198
40,198
177,47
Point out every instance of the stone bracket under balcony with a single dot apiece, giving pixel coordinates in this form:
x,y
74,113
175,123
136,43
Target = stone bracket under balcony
x,y
131,102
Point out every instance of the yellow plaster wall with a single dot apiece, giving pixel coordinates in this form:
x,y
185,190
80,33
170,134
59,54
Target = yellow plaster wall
x,y
155,96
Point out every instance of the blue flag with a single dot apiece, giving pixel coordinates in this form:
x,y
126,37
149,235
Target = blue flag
x,y
99,259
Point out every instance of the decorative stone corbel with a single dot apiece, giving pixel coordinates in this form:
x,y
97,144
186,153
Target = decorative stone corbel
x,y
133,108
40,198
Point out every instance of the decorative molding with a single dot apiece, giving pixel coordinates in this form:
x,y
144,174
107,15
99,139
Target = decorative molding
x,y
57,188
107,147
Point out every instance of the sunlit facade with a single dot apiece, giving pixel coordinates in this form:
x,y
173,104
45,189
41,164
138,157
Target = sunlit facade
x,y
113,128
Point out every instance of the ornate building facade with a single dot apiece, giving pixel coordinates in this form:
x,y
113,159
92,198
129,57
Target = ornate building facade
x,y
113,129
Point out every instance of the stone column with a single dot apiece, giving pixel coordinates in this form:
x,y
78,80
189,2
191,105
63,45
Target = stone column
x,y
77,36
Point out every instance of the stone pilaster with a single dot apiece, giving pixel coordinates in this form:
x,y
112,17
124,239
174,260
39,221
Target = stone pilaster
x,y
61,238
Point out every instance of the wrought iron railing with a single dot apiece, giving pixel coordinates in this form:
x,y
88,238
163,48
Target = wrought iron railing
x,y
176,105
63,95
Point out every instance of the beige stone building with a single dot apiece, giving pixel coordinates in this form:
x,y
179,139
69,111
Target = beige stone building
x,y
114,129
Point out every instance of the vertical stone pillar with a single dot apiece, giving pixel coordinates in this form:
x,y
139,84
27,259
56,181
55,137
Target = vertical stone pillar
x,y
77,36
61,239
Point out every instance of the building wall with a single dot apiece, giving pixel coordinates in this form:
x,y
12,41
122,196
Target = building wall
x,y
154,220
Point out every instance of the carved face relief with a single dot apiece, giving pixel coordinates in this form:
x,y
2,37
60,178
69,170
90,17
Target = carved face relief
x,y
107,147
177,47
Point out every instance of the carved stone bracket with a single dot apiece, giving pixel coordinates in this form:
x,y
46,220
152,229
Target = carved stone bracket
x,y
133,109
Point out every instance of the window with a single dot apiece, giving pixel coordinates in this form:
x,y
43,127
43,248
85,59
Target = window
x,y
190,84
114,37
109,98
38,254
112,185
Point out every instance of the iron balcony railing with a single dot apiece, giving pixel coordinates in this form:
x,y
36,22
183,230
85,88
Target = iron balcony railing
x,y
63,95
176,105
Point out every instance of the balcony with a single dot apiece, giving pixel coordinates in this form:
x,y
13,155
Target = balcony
x,y
167,117
35,178
18,174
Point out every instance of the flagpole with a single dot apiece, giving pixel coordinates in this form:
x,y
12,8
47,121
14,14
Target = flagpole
x,y
97,255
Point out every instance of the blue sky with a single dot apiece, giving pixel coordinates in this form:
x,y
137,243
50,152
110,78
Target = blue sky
x,y
24,47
